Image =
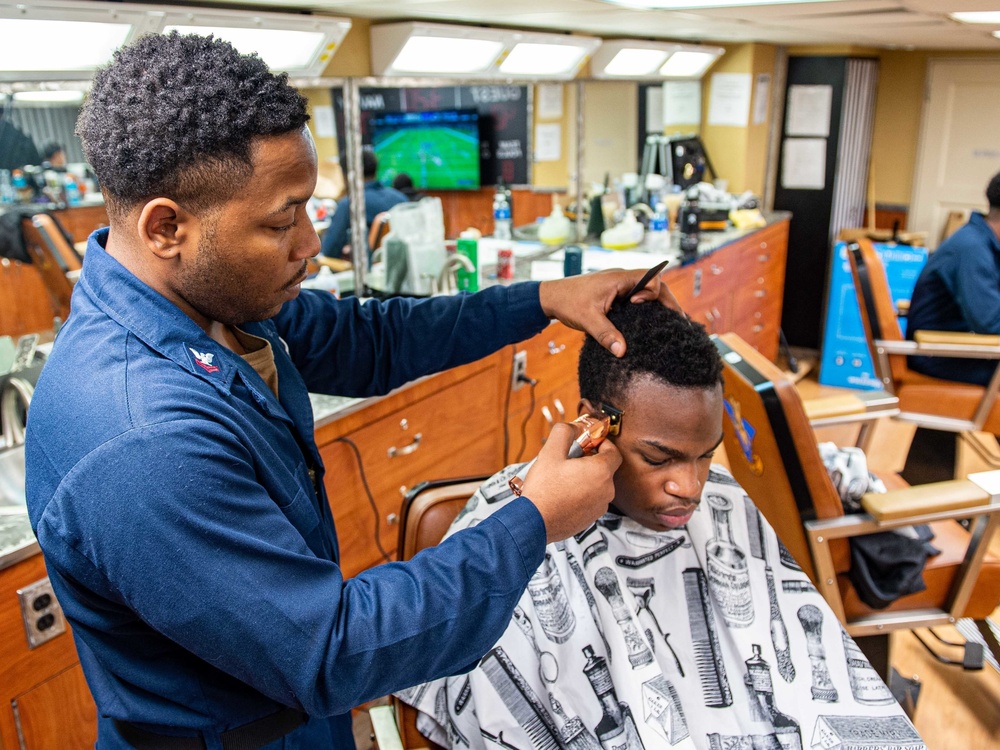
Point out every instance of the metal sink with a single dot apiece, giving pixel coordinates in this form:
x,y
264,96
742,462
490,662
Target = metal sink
x,y
12,482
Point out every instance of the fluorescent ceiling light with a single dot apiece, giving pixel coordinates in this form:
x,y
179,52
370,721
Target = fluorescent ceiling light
x,y
635,62
435,54
50,45
281,49
66,96
542,59
688,64
451,50
978,16
690,4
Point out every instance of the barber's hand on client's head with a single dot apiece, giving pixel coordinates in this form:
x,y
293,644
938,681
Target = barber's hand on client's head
x,y
582,302
571,493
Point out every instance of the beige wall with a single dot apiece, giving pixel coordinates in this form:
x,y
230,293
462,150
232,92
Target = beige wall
x,y
610,112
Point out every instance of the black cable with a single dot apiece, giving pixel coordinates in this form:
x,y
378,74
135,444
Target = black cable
x,y
524,425
368,492
506,407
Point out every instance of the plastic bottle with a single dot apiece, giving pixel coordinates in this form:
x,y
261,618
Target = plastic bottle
x,y
658,238
73,196
501,213
6,188
572,261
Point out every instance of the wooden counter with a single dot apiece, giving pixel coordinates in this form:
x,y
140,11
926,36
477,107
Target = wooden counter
x,y
461,422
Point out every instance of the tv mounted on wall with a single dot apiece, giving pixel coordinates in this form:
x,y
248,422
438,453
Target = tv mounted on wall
x,y
438,150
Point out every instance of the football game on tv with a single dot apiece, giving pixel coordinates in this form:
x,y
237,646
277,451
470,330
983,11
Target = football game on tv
x,y
438,150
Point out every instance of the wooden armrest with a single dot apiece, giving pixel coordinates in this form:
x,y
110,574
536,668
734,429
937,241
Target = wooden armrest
x,y
938,497
902,307
956,338
334,264
384,728
833,406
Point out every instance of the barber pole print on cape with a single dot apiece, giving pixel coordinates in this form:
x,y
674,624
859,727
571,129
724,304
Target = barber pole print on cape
x,y
697,638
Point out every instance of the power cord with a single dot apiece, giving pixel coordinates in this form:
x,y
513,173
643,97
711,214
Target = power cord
x,y
368,492
506,411
531,410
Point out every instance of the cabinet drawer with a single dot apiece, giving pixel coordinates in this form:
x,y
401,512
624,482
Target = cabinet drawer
x,y
453,432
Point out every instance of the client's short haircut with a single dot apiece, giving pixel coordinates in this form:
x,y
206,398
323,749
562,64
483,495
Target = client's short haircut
x,y
661,344
176,117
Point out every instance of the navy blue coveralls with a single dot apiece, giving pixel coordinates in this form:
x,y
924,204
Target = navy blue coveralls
x,y
191,551
959,290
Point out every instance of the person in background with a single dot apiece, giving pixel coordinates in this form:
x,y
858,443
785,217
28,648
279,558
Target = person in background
x,y
54,156
378,198
676,621
177,492
959,290
17,149
404,184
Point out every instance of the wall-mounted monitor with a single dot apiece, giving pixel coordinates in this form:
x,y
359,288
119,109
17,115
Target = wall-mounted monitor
x,y
438,150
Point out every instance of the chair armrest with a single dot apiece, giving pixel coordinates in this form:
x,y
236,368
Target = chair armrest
x,y
902,308
387,736
924,499
963,350
959,338
334,264
850,408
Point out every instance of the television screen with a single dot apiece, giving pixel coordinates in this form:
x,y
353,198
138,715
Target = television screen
x,y
438,150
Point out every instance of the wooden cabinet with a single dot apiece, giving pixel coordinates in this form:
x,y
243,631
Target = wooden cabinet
x,y
552,359
444,426
44,700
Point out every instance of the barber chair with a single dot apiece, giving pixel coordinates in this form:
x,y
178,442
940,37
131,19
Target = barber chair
x,y
54,237
378,230
42,240
925,401
428,510
773,454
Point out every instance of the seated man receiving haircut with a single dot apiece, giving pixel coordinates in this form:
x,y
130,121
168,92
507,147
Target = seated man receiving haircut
x,y
678,620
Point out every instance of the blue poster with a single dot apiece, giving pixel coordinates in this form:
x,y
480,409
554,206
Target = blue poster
x,y
845,361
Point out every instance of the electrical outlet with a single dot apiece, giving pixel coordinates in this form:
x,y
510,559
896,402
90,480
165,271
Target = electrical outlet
x,y
42,615
519,370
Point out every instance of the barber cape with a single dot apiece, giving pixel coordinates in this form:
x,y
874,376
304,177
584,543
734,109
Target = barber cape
x,y
709,637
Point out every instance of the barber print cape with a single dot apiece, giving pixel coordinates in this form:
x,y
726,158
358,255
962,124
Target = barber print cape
x,y
707,637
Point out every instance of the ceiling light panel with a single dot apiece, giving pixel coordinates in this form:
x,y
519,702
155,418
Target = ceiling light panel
x,y
646,60
984,16
429,49
297,44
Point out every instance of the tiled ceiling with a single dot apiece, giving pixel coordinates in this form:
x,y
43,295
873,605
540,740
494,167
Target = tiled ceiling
x,y
905,24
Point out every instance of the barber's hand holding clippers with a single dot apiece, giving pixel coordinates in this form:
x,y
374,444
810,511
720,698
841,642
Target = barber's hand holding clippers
x,y
572,494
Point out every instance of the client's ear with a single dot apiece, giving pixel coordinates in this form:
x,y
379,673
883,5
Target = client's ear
x,y
586,407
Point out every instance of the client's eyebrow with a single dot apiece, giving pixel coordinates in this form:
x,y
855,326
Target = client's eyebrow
x,y
674,452
293,201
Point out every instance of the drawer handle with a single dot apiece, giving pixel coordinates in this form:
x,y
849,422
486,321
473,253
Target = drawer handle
x,y
763,246
764,258
553,349
548,415
392,519
406,449
559,408
758,328
716,270
760,293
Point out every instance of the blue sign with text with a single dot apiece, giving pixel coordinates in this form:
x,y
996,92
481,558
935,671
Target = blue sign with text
x,y
845,361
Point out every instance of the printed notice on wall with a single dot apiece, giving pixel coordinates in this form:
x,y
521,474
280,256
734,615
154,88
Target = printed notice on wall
x,y
682,103
729,102
809,110
548,141
803,164
322,117
761,97
654,110
549,101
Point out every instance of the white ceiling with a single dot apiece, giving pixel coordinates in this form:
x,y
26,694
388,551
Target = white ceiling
x,y
904,24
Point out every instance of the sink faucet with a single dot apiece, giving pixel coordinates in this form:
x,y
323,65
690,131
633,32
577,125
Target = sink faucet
x,y
11,427
444,282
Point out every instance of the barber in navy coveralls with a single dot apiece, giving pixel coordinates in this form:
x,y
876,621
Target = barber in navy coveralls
x,y
173,481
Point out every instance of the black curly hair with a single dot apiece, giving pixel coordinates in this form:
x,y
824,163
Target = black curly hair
x,y
661,344
993,192
176,116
